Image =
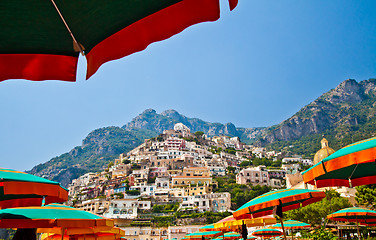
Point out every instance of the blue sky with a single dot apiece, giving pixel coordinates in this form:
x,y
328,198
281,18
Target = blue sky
x,y
256,66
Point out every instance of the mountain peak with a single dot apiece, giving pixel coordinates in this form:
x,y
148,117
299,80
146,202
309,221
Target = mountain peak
x,y
148,111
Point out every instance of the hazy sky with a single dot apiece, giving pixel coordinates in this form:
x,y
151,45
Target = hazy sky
x,y
256,66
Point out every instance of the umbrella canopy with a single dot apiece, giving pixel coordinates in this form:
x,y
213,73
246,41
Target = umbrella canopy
x,y
292,224
41,40
231,224
354,214
267,232
288,198
80,231
210,234
207,228
49,216
230,235
96,236
350,166
19,189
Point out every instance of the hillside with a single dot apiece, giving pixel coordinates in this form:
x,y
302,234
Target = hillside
x,y
344,115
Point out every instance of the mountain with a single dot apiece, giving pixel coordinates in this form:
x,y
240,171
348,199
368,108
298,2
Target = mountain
x,y
344,115
155,122
105,144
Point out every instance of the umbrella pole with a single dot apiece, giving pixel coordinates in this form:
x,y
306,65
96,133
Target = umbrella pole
x,y
283,229
62,233
357,228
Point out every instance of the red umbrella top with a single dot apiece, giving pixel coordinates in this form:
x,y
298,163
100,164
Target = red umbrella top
x,y
41,40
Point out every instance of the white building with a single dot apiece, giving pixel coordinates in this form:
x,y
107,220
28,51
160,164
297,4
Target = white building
x,y
255,175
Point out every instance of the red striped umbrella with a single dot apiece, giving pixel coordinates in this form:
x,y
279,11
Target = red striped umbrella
x,y
19,189
41,40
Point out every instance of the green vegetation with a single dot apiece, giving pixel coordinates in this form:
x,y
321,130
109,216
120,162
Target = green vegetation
x,y
165,208
215,150
240,193
133,192
315,214
366,195
319,234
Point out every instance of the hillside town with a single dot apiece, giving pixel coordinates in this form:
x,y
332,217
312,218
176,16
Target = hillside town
x,y
178,169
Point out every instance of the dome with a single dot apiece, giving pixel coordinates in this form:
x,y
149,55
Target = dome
x,y
324,152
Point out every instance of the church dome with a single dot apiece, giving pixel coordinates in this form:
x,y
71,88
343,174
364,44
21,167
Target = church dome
x,y
324,152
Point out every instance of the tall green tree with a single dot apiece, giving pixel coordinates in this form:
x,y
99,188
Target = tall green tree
x,y
366,195
315,214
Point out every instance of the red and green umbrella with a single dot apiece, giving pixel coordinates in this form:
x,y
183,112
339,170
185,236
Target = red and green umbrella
x,y
351,166
292,224
354,214
208,234
267,232
41,40
19,189
94,236
207,228
279,200
49,216
229,236
288,198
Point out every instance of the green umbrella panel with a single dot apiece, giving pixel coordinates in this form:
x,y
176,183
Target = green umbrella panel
x,y
41,40
52,215
19,189
351,166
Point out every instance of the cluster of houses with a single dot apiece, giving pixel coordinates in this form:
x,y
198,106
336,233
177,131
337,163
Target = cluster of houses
x,y
177,167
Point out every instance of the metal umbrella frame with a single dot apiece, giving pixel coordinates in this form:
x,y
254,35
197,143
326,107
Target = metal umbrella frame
x,y
285,199
351,166
19,189
42,40
354,214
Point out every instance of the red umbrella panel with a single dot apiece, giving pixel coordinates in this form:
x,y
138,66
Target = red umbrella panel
x,y
41,40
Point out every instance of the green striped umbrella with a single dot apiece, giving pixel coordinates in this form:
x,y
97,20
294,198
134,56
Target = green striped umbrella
x,y
292,224
267,232
41,40
207,228
229,236
285,199
208,234
288,198
354,214
351,166
19,189
53,215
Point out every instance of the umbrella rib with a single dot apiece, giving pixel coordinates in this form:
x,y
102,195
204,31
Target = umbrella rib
x,y
70,32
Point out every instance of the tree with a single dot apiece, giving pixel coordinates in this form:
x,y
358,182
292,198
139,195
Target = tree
x,y
315,214
110,164
199,134
366,195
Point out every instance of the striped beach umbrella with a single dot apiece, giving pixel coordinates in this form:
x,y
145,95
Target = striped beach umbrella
x,y
267,233
351,166
49,216
93,236
354,214
41,40
19,189
288,198
231,224
207,228
284,200
208,234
